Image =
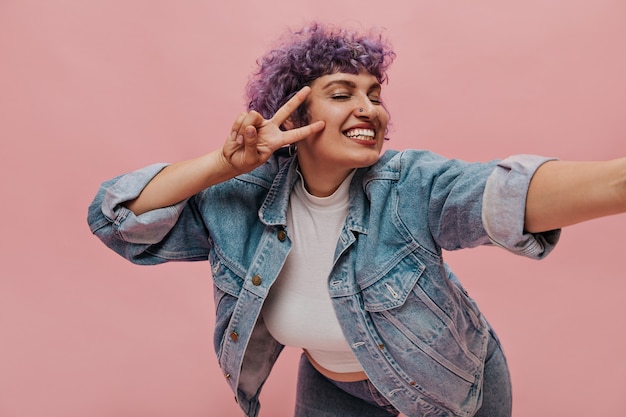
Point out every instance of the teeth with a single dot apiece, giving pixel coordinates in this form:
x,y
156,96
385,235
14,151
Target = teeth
x,y
360,133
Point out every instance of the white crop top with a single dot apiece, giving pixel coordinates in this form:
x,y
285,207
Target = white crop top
x,y
298,310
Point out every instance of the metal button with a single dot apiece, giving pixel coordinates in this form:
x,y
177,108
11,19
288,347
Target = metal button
x,y
256,280
381,346
234,336
227,375
282,235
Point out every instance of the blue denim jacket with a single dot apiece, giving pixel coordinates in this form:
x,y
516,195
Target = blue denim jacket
x,y
421,340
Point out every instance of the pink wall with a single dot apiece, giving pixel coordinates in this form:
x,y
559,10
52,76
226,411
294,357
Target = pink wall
x,y
90,89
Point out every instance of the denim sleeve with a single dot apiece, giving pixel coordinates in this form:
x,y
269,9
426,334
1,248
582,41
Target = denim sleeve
x,y
504,205
150,238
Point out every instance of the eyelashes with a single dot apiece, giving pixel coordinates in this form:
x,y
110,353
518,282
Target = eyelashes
x,y
345,97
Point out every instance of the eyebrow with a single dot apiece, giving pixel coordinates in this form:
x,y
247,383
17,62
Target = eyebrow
x,y
350,84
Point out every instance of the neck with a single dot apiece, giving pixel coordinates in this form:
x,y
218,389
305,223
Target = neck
x,y
322,182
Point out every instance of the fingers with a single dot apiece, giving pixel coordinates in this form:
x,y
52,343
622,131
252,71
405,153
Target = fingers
x,y
295,135
238,121
234,130
290,106
253,118
250,136
244,121
250,130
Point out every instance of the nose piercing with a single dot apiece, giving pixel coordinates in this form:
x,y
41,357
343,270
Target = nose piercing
x,y
360,109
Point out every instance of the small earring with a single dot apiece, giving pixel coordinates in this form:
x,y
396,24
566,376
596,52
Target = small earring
x,y
360,109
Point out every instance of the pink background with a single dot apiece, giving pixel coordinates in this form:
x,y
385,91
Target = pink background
x,y
90,89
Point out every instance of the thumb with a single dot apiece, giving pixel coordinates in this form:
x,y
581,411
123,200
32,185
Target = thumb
x,y
250,136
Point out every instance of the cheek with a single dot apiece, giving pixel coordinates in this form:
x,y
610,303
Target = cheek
x,y
331,114
383,114
384,122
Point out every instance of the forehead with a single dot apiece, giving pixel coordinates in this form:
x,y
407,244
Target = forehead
x,y
363,80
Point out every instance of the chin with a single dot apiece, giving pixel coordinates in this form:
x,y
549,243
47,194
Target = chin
x,y
367,161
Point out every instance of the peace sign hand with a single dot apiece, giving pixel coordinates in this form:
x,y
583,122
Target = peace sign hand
x,y
253,139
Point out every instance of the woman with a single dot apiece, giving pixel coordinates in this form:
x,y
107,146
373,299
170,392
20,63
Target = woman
x,y
329,246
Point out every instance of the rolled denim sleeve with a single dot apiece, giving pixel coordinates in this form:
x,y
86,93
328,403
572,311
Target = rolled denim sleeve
x,y
145,238
149,227
504,206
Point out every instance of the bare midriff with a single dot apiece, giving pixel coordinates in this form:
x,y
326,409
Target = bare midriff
x,y
336,376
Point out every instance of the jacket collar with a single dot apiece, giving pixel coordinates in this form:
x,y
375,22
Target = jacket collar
x,y
273,212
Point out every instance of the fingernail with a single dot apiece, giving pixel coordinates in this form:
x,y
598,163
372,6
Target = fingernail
x,y
240,139
233,135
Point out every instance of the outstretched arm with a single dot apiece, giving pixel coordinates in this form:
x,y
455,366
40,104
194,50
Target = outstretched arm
x,y
563,193
251,142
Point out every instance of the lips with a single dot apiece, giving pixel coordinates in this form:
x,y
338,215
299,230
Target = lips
x,y
360,134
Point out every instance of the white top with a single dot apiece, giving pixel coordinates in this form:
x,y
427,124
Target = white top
x,y
298,310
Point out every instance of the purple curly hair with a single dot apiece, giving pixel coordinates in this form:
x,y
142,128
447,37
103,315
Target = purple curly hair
x,y
308,54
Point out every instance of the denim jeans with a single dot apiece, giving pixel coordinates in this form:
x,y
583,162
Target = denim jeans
x,y
318,396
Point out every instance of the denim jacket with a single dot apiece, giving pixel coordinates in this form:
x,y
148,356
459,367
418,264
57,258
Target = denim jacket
x,y
420,339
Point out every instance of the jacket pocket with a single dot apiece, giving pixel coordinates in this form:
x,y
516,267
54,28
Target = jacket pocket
x,y
426,325
225,278
394,286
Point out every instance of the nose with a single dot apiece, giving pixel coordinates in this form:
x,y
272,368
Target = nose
x,y
366,109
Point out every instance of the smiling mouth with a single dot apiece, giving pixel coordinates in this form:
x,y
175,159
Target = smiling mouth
x,y
360,134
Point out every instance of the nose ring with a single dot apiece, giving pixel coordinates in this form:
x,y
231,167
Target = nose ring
x,y
360,109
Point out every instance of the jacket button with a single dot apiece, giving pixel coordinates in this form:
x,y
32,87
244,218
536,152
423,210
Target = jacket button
x,y
234,336
381,346
282,235
256,280
227,375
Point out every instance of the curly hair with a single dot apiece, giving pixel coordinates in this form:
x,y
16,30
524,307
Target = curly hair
x,y
307,54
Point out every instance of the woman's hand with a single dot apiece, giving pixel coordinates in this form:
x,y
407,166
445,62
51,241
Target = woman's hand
x,y
251,143
253,139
